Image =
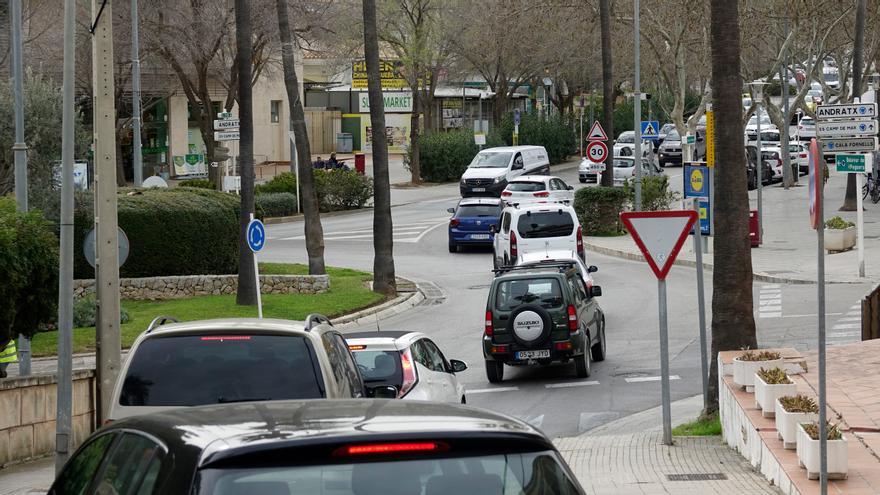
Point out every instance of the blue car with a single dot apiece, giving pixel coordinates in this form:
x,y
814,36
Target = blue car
x,y
471,221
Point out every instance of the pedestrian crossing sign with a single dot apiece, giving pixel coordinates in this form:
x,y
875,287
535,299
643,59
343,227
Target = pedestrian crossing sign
x,y
651,130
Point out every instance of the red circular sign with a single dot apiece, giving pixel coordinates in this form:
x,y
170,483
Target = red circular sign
x,y
597,151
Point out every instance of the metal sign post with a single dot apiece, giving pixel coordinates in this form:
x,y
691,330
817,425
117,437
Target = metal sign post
x,y
818,222
701,308
660,236
256,240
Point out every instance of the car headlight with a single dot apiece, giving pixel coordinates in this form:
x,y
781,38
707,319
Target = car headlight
x,y
499,179
462,182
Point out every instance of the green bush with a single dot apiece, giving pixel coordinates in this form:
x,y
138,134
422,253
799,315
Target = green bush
x,y
279,204
177,231
598,209
200,183
342,189
444,156
556,134
28,271
656,195
85,311
837,223
283,182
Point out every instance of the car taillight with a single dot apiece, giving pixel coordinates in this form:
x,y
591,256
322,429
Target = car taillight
x,y
505,194
580,242
803,155
514,252
454,222
541,194
409,373
572,318
489,328
390,448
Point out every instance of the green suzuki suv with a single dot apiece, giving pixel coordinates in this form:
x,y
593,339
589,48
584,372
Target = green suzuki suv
x,y
540,314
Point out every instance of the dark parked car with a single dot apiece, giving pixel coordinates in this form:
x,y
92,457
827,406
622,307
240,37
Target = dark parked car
x,y
540,314
344,447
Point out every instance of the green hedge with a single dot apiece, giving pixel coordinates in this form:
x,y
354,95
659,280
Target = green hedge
x,y
280,204
283,182
342,189
200,183
444,156
598,209
177,231
28,272
556,134
656,195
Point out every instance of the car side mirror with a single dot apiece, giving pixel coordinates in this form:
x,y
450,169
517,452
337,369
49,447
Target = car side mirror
x,y
595,291
382,392
571,188
492,229
592,269
450,210
457,366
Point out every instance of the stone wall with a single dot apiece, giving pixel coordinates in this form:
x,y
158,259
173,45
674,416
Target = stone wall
x,y
157,288
28,411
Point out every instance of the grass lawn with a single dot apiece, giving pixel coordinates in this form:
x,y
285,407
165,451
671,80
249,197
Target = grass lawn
x,y
347,293
700,427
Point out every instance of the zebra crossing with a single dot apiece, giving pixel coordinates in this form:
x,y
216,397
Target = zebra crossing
x,y
406,232
770,301
847,328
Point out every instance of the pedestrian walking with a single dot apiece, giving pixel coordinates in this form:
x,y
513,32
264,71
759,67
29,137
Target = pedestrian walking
x,y
8,355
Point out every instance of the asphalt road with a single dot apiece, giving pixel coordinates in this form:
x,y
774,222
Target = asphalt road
x,y
552,397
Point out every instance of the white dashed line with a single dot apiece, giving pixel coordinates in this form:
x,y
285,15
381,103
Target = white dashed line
x,y
846,326
491,390
640,379
570,384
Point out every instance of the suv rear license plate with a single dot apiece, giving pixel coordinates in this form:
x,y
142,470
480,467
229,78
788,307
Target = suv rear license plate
x,y
480,237
479,189
543,353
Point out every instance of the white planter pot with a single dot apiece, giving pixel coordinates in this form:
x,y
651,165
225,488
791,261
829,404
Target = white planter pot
x,y
808,456
787,424
744,371
766,395
840,239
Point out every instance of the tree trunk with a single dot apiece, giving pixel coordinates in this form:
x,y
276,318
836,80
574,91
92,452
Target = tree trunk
x,y
384,281
414,165
247,285
314,232
850,200
607,90
120,161
733,323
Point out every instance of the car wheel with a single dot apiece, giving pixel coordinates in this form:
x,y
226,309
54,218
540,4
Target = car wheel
x,y
453,248
598,350
494,371
582,364
494,260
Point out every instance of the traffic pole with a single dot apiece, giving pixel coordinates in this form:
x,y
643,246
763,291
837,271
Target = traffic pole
x,y
820,304
64,402
760,185
860,220
637,112
257,277
137,156
664,361
701,306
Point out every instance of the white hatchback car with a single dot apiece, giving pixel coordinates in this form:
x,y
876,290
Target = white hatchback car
x,y
408,361
537,189
536,228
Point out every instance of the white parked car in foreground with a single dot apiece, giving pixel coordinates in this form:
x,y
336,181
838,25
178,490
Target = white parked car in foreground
x,y
408,361
537,189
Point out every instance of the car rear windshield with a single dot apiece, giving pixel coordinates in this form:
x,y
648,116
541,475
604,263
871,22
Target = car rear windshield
x,y
502,474
526,186
513,293
479,211
192,370
491,160
545,224
379,367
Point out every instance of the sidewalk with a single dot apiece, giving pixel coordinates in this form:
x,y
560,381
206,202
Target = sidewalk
x,y
788,253
627,457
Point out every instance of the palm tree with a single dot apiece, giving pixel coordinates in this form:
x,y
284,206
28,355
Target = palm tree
x,y
247,285
384,281
733,322
607,88
311,213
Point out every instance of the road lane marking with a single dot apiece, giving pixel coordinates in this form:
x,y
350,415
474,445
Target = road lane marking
x,y
811,316
423,234
491,390
570,384
769,315
535,421
770,301
846,326
640,379
838,335
851,318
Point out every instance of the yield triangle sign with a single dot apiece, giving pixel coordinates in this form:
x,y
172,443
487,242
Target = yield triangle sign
x,y
597,133
659,235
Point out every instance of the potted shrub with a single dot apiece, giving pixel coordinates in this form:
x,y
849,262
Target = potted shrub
x,y
792,410
808,450
840,235
771,383
745,366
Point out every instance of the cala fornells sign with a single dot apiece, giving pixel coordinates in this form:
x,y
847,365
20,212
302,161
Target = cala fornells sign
x,y
395,102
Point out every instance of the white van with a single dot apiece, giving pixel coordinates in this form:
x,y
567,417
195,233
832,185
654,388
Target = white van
x,y
536,229
492,168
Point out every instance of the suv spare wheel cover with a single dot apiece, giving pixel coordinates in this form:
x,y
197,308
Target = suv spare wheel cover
x,y
528,325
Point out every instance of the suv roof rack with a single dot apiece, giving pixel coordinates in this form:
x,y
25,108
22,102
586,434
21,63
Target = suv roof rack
x,y
563,265
316,319
159,321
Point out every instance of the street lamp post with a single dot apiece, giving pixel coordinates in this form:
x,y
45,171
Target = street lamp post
x,y
758,94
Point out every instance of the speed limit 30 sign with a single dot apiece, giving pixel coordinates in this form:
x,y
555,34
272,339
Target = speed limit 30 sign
x,y
597,151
